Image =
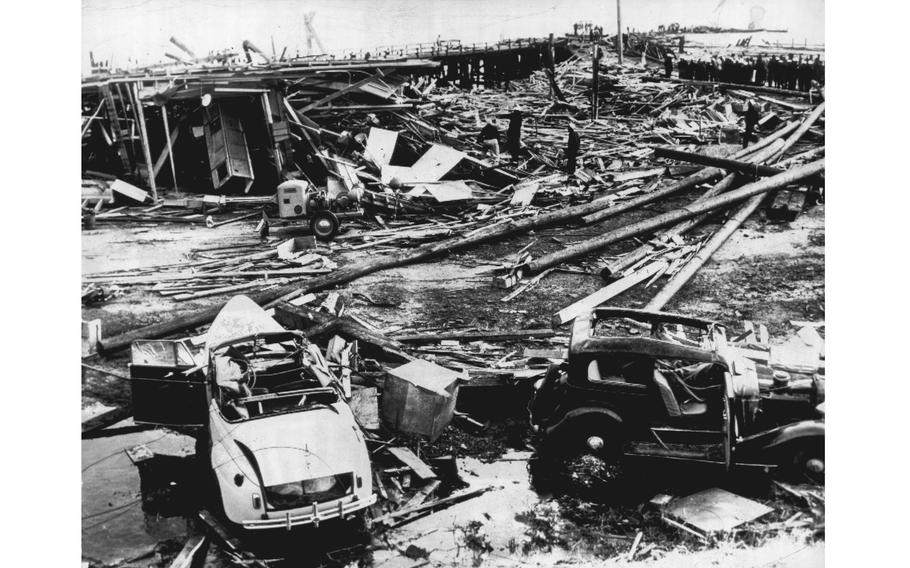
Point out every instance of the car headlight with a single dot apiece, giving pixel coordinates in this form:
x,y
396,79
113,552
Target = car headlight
x,y
319,484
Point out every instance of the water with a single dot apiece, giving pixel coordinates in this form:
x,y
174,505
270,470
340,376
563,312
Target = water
x,y
139,29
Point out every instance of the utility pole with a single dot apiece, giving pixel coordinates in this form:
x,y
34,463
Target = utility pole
x,y
619,29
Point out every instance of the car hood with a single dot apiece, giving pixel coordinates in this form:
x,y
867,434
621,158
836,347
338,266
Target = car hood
x,y
300,445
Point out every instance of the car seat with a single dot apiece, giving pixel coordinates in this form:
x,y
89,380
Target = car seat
x,y
674,408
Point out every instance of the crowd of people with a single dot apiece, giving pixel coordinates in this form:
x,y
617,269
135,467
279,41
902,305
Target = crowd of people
x,y
781,72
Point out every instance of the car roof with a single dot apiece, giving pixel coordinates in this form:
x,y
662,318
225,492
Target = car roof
x,y
649,316
645,346
584,342
269,336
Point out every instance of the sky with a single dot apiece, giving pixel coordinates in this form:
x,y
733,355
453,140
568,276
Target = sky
x,y
140,29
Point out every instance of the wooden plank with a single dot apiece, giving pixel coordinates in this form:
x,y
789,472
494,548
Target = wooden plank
x,y
450,500
188,553
159,163
381,146
422,494
129,190
489,335
144,138
342,92
569,313
408,458
436,162
107,419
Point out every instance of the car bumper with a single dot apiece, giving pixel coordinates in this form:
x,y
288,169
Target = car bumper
x,y
317,512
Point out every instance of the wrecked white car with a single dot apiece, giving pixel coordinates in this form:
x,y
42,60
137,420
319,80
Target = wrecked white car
x,y
271,417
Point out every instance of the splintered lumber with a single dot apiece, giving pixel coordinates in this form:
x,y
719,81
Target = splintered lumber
x,y
803,128
699,177
737,166
106,419
389,518
342,92
313,322
738,87
229,543
422,494
692,210
407,457
189,552
358,269
701,257
476,336
644,250
680,279
129,190
590,302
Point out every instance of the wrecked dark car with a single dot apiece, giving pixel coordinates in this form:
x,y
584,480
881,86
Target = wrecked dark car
x,y
673,388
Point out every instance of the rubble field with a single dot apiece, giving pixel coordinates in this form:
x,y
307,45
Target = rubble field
x,y
486,505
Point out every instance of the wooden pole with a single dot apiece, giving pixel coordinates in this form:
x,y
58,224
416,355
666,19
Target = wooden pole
x,y
595,90
714,243
671,217
170,150
699,177
644,250
143,133
358,269
619,30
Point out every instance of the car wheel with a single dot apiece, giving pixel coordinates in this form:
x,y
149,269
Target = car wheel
x,y
804,462
584,457
324,225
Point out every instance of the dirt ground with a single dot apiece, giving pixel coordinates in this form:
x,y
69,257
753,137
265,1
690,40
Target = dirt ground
x,y
768,273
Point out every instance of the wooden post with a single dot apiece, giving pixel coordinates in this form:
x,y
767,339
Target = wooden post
x,y
595,91
144,138
619,29
170,149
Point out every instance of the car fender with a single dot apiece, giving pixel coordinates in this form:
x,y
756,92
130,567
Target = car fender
x,y
575,414
772,439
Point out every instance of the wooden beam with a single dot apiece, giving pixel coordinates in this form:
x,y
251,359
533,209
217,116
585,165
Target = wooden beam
x,y
612,290
144,138
492,335
168,147
356,270
671,217
342,92
159,163
190,551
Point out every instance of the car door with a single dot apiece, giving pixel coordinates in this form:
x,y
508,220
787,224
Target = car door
x,y
729,421
168,387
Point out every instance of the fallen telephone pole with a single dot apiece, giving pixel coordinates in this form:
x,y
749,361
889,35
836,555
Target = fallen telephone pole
x,y
715,242
702,176
692,210
644,250
358,269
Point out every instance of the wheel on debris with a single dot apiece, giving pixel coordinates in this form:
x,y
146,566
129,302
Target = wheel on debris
x,y
324,225
804,462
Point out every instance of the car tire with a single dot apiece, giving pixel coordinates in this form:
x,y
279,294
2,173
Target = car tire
x,y
324,225
804,461
582,457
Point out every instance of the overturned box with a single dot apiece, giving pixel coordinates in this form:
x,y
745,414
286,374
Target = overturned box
x,y
419,398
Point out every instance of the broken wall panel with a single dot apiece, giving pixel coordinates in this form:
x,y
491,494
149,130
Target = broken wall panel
x,y
229,155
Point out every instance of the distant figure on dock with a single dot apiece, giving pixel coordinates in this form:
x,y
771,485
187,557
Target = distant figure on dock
x,y
513,134
751,123
761,70
572,151
489,139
